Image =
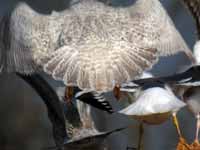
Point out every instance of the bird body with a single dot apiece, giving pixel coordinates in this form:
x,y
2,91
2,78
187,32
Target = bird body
x,y
90,44
153,100
192,93
185,85
153,105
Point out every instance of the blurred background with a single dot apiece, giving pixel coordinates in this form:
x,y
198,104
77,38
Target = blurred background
x,y
24,124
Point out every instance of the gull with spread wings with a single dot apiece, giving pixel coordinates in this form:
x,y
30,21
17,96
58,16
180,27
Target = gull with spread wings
x,y
91,44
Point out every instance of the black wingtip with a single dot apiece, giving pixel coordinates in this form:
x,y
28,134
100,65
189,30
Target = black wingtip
x,y
95,99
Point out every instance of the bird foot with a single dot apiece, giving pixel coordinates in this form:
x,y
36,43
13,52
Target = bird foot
x,y
195,145
183,145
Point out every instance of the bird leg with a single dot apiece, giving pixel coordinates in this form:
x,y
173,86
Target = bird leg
x,y
182,144
176,123
69,94
197,128
117,92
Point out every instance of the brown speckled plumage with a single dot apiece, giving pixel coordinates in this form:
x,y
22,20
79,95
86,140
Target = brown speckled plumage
x,y
90,45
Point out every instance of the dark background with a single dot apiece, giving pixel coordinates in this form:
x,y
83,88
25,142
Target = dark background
x,y
24,124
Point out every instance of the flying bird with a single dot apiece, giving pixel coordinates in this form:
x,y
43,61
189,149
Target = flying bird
x,y
91,44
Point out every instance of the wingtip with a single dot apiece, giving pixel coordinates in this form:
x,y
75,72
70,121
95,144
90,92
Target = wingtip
x,y
95,99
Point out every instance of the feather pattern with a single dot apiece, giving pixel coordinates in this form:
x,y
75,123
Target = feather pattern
x,y
104,46
25,39
14,55
91,45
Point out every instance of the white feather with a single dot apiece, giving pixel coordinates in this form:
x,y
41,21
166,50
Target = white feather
x,y
152,101
197,51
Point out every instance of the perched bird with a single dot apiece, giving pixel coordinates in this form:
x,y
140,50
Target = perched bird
x,y
91,44
192,98
84,135
153,105
191,95
151,102
178,83
185,85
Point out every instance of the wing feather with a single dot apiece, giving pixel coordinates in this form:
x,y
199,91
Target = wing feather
x,y
97,73
105,46
97,53
16,54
